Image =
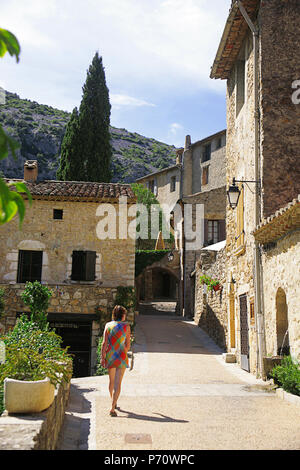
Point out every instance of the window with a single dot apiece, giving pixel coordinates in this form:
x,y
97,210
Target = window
x,y
205,171
173,184
29,266
214,231
83,265
240,85
153,186
240,232
58,214
219,143
207,153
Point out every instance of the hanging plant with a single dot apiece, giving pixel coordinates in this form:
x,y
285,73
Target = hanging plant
x,y
212,284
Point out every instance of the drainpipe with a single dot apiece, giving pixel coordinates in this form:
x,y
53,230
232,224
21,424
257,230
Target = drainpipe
x,y
257,254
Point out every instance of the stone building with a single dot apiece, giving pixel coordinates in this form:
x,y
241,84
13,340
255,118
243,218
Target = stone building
x,y
197,179
60,245
258,57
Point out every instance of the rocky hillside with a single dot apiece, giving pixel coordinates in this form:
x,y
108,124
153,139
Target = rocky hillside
x,y
40,129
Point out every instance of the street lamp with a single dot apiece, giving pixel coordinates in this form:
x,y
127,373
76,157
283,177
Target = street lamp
x,y
234,192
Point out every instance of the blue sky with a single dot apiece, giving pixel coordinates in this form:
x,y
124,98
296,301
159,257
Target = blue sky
x,y
157,56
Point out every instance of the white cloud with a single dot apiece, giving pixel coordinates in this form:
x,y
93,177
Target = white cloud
x,y
175,127
117,101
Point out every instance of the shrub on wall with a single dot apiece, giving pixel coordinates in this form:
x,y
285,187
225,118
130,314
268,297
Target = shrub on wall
x,y
144,258
287,375
37,297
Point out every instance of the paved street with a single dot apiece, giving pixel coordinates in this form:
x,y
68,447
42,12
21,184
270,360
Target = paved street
x,y
180,395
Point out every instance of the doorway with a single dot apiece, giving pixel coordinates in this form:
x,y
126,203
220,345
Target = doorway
x,y
244,332
282,323
76,335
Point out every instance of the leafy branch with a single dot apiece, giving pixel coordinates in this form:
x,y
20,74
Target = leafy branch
x,y
11,202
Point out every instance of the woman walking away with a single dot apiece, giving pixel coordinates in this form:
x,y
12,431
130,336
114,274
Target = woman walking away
x,y
116,344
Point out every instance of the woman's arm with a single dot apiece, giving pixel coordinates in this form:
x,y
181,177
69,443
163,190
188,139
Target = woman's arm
x,y
104,345
127,341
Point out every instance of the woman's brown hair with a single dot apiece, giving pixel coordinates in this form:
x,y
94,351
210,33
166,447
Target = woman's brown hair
x,y
118,312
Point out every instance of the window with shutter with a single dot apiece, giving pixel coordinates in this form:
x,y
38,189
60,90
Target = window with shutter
x,y
83,265
205,175
240,232
30,266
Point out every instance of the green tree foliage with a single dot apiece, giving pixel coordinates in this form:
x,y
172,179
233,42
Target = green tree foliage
x,y
71,161
11,201
87,144
37,297
147,198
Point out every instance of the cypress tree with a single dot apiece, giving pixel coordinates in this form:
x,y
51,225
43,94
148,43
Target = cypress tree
x,y
86,148
94,122
71,166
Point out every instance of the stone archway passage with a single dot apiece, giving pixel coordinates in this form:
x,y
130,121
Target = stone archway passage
x,y
164,285
282,324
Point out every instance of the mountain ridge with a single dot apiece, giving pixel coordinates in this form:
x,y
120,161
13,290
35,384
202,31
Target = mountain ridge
x,y
40,129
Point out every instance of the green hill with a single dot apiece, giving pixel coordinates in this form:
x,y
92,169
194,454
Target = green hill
x,y
40,128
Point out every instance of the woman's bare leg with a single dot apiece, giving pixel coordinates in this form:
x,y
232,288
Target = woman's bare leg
x,y
117,388
112,375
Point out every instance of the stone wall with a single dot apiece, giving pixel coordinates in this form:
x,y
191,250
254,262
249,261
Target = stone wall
x,y
211,306
240,164
39,431
115,262
163,182
214,202
85,300
216,165
281,272
280,137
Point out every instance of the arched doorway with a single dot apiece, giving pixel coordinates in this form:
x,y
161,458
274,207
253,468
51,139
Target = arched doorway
x,y
164,285
282,324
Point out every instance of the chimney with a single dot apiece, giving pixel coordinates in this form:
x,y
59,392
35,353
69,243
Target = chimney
x,y
187,144
31,171
179,153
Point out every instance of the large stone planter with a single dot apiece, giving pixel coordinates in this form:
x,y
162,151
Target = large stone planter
x,y
27,396
270,363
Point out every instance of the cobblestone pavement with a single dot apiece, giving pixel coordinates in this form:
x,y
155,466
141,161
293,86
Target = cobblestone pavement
x,y
179,395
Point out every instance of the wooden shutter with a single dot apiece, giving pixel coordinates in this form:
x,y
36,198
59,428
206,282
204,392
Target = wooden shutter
x,y
222,230
83,265
77,266
30,266
90,265
205,232
240,235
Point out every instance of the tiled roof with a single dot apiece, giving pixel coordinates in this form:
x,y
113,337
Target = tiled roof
x,y
283,221
78,190
234,33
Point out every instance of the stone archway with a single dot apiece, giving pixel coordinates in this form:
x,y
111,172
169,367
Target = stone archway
x,y
282,324
160,281
164,285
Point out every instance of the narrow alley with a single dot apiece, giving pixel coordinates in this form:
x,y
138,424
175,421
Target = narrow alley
x,y
180,394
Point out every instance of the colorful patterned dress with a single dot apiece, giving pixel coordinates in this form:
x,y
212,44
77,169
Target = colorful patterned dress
x,y
116,356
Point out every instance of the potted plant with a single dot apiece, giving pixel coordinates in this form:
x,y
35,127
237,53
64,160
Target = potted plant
x,y
34,365
212,284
